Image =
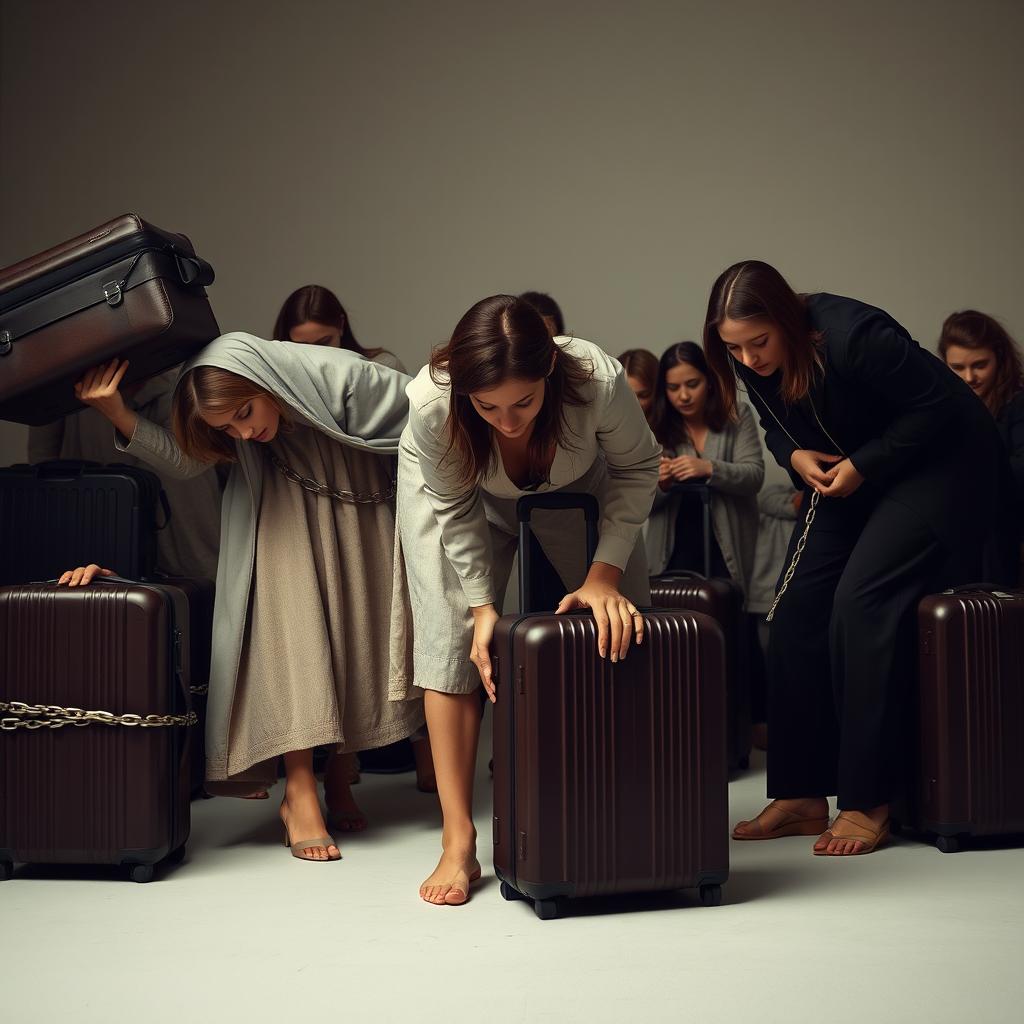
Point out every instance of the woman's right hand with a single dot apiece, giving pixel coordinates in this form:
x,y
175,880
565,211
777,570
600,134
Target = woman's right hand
x,y
83,575
807,464
484,618
101,389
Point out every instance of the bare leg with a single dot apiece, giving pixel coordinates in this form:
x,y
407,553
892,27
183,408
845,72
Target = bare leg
x,y
300,810
426,780
454,724
342,808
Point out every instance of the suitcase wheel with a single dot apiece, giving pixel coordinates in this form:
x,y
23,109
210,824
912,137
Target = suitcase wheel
x,y
141,873
6,870
947,844
176,856
711,895
509,892
546,910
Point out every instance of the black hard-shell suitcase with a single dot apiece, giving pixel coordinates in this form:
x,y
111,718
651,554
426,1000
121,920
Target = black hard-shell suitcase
x,y
125,289
608,778
58,515
94,725
969,775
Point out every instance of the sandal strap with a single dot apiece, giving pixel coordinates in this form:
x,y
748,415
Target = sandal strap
x,y
867,833
310,844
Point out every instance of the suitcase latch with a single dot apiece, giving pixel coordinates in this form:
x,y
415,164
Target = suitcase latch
x,y
112,293
6,339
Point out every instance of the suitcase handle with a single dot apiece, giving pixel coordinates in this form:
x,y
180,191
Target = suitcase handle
x,y
992,589
561,501
194,271
698,487
63,469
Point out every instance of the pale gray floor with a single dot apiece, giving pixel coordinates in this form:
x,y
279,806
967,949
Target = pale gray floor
x,y
242,932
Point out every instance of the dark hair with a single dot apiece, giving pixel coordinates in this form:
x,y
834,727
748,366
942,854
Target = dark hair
x,y
668,425
503,338
546,306
314,302
971,329
211,389
638,362
753,290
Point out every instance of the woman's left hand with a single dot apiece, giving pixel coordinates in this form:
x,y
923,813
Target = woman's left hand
x,y
614,613
845,480
688,467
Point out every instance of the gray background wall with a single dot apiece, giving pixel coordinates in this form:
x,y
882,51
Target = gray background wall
x,y
418,156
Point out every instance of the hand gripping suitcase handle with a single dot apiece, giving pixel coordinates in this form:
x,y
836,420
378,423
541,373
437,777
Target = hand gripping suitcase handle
x,y
560,500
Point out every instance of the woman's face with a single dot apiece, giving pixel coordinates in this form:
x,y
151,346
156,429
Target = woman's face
x,y
976,366
757,344
255,420
644,393
313,333
512,407
687,390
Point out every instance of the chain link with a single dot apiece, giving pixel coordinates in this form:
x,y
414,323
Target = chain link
x,y
800,545
199,690
352,497
52,716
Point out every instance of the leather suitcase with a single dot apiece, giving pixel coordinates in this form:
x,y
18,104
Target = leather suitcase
x,y
58,515
199,635
607,778
110,785
124,289
722,601
970,771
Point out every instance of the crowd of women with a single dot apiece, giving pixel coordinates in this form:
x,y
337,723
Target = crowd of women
x,y
367,527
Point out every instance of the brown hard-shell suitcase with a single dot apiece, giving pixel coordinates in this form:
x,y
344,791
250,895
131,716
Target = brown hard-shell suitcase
x,y
608,778
722,600
114,790
125,289
970,770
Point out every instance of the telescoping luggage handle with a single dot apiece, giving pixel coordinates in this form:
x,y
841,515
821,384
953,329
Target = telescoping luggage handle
x,y
560,500
698,487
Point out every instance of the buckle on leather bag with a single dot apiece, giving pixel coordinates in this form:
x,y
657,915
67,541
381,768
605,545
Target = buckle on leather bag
x,y
112,293
6,342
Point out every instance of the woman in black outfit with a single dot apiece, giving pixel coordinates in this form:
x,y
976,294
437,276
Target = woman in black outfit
x,y
897,454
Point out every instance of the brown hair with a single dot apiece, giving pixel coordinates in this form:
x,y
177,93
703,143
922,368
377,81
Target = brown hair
x,y
213,390
971,329
546,306
753,290
668,425
638,362
504,338
321,305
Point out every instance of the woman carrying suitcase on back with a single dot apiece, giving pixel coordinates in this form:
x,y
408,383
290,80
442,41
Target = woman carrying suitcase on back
x,y
302,639
895,455
504,409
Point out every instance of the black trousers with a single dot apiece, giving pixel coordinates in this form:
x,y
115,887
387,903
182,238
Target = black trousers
x,y
841,651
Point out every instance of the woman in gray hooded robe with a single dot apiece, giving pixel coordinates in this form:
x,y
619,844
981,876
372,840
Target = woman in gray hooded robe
x,y
302,623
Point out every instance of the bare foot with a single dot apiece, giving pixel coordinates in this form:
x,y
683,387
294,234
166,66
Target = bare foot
x,y
449,884
342,809
785,818
303,820
425,779
854,832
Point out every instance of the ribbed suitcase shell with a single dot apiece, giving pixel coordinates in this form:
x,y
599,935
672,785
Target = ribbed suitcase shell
x,y
96,794
47,343
609,778
59,515
971,708
722,600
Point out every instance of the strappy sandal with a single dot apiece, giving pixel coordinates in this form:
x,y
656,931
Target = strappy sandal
x,y
860,829
299,847
791,825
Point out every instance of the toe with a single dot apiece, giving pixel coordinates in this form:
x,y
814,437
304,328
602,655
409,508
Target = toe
x,y
455,896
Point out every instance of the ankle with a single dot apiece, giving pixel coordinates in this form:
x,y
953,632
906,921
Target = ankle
x,y
459,839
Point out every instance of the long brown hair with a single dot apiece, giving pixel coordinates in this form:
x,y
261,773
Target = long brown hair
x,y
639,363
504,338
971,329
753,290
210,389
321,305
668,425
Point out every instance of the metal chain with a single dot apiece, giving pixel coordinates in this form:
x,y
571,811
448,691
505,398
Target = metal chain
x,y
51,716
199,690
353,497
800,545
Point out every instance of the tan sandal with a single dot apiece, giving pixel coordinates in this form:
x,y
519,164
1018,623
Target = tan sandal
x,y
791,825
299,847
860,829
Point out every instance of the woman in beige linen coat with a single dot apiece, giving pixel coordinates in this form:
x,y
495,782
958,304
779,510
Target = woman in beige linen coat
x,y
505,410
301,653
